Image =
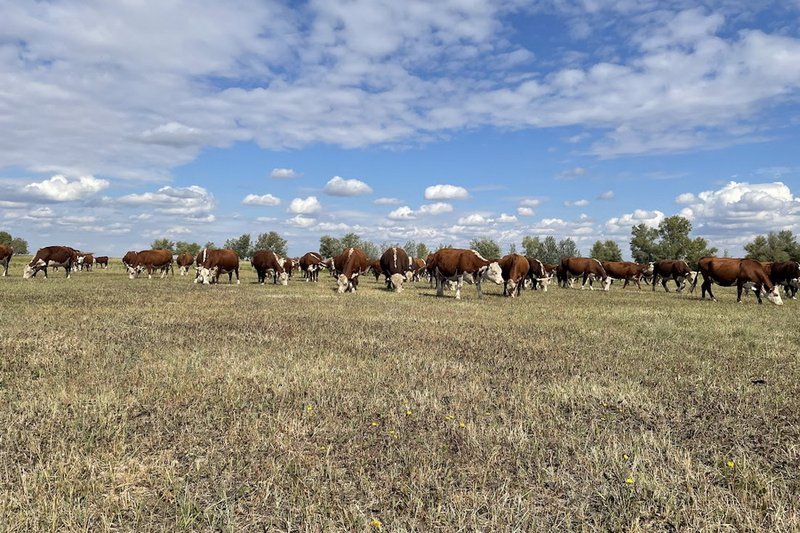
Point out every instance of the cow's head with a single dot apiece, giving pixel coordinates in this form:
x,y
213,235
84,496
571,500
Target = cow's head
x,y
774,296
344,284
648,271
283,278
397,282
493,273
207,276
134,271
545,282
28,272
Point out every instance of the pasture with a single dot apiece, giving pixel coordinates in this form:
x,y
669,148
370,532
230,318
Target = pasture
x,y
160,404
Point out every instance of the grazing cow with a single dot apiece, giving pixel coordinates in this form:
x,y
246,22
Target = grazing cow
x,y
150,260
51,256
394,264
216,263
538,273
5,257
85,262
268,262
781,273
514,268
184,262
586,267
418,269
102,261
677,269
311,264
625,270
727,271
288,266
128,258
375,267
350,264
452,264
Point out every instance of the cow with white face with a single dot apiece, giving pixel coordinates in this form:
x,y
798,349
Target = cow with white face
x,y
268,262
453,264
51,256
216,263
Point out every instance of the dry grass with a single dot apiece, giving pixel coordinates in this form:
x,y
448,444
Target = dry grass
x,y
151,405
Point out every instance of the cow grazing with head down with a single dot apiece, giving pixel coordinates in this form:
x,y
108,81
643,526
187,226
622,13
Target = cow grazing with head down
x,y
101,261
151,261
311,264
288,266
218,262
515,269
418,269
5,257
268,262
51,256
128,258
728,271
394,265
538,274
625,270
375,268
588,268
184,262
350,264
676,269
453,264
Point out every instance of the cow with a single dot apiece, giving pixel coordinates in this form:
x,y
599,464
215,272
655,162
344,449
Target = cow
x,y
128,258
217,262
86,262
625,270
311,264
678,270
101,261
375,267
514,268
452,264
265,262
781,273
5,257
150,260
728,271
184,262
350,264
538,273
394,265
51,256
288,266
586,267
418,269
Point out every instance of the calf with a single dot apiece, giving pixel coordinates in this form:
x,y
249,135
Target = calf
x,y
311,264
215,263
375,268
102,261
676,269
624,270
452,264
184,262
586,267
51,256
728,271
267,262
288,266
350,264
538,274
394,265
5,257
514,269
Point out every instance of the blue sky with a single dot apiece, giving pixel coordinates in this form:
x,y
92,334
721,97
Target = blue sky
x,y
428,121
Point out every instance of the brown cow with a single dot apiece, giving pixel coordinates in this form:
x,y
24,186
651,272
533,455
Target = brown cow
x,y
394,264
266,261
51,256
128,258
417,269
184,261
350,264
678,270
625,270
375,267
781,273
538,273
288,266
217,262
727,271
450,264
102,261
150,260
586,267
85,261
5,257
311,264
514,268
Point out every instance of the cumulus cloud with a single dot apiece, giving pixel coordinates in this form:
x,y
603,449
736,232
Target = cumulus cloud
x,y
576,203
60,189
530,202
300,221
265,199
685,198
305,205
475,219
173,200
525,211
284,173
606,195
507,218
622,224
387,201
436,208
402,213
446,192
338,186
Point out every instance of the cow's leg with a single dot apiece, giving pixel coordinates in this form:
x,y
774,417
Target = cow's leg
x,y
739,287
758,290
439,284
706,287
459,281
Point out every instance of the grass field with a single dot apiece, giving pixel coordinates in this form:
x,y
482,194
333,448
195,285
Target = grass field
x,y
159,404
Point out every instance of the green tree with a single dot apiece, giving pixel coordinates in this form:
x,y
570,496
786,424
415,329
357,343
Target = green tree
x,y
271,241
422,251
187,247
698,248
674,238
5,238
210,245
643,243
370,249
163,244
19,245
241,245
512,248
351,240
533,247
606,251
442,246
567,248
410,247
780,246
486,247
551,253
329,246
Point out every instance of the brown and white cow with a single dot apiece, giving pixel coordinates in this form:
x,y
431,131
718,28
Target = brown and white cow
x,y
514,268
268,262
311,264
288,266
418,269
538,274
586,267
676,269
218,262
375,268
101,261
728,271
5,257
51,256
626,270
781,273
128,258
394,265
184,262
151,261
350,264
452,264
85,262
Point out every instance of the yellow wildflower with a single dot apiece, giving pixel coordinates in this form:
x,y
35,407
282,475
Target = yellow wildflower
x,y
377,524
730,464
625,457
629,480
309,408
462,425
374,424
408,412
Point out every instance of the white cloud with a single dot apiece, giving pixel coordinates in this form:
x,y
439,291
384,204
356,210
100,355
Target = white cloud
x,y
305,205
284,174
530,202
60,189
507,218
576,203
685,198
606,195
338,186
436,208
300,221
387,201
573,173
402,213
622,224
475,219
525,211
446,192
266,199
175,135
173,200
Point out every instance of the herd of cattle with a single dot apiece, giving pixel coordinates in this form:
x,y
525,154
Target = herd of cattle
x,y
448,267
